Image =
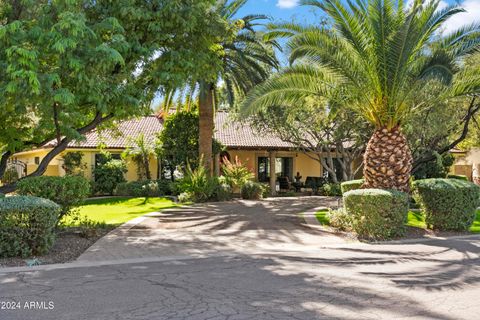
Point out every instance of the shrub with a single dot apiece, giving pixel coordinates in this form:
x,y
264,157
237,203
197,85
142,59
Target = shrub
x,y
2,196
69,191
377,214
185,197
223,192
457,176
332,190
252,191
146,188
27,225
198,183
340,219
10,176
267,191
108,175
351,185
449,204
235,173
72,163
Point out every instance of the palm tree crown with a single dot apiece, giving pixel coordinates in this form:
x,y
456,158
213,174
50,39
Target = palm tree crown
x,y
375,56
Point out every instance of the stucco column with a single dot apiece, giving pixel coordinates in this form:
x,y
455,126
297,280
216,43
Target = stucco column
x,y
273,182
217,165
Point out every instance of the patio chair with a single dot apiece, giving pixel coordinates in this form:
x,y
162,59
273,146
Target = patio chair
x,y
284,183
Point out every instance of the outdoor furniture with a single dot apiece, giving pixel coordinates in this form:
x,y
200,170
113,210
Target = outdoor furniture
x,y
298,185
284,183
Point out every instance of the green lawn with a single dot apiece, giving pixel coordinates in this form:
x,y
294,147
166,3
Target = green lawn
x,y
415,219
115,211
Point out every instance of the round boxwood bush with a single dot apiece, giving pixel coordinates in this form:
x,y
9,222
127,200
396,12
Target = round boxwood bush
x,y
27,225
351,185
448,204
377,214
69,191
252,191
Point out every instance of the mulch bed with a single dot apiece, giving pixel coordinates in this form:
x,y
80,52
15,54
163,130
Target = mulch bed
x,y
68,246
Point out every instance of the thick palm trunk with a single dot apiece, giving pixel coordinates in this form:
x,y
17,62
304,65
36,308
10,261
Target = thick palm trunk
x,y
206,124
387,161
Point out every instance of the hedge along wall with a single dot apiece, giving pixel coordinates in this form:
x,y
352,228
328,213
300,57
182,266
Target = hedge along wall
x,y
351,185
27,225
377,214
449,204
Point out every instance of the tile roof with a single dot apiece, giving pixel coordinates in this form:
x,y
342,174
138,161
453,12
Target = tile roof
x,y
240,135
230,133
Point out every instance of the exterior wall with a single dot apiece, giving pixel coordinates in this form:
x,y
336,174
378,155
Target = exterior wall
x,y
465,162
55,167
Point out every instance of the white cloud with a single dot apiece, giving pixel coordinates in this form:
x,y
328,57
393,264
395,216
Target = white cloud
x,y
287,4
472,15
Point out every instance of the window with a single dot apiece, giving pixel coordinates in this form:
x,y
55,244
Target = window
x,y
283,168
263,172
37,160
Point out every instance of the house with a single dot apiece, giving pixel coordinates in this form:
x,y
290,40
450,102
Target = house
x,y
467,163
264,155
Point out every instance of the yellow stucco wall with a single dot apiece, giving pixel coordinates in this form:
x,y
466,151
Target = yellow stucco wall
x,y
305,165
55,166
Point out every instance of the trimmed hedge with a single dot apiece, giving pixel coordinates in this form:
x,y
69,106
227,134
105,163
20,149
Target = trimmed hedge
x,y
146,188
351,185
377,214
457,176
332,190
27,225
69,191
449,204
252,191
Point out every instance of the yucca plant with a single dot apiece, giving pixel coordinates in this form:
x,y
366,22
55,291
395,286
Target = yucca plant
x,y
374,58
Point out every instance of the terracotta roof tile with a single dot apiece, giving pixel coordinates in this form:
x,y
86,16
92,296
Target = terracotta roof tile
x,y
228,132
241,135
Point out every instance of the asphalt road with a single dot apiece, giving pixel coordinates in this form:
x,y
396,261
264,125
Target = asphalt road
x,y
426,280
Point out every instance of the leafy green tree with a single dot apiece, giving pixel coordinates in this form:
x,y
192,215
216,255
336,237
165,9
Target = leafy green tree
x,y
68,66
331,138
177,144
374,58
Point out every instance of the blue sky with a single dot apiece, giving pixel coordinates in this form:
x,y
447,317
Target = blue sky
x,y
290,10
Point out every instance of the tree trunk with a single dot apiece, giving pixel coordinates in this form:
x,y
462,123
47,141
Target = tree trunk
x,y
146,163
387,161
205,140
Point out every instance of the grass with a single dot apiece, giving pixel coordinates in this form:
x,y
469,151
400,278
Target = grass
x,y
415,219
116,211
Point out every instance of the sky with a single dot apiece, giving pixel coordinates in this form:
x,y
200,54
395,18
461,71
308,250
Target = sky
x,y
289,10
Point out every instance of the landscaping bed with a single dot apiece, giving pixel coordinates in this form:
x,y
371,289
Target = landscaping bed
x,y
415,226
95,218
69,245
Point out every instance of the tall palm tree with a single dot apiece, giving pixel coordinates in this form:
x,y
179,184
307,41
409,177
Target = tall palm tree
x,y
373,59
247,60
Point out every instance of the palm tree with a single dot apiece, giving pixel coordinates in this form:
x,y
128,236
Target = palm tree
x,y
374,58
246,61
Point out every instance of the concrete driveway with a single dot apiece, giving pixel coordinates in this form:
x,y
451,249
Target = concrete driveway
x,y
228,227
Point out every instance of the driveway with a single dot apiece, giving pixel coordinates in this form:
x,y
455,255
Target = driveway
x,y
427,280
229,227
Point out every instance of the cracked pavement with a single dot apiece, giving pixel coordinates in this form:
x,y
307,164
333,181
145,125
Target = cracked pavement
x,y
434,279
